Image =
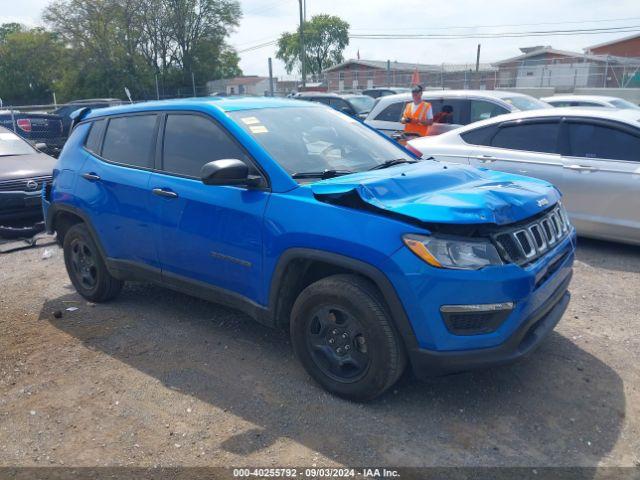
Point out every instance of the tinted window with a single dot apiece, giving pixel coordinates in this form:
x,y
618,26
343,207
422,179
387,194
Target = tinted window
x,y
480,136
532,137
190,141
596,141
341,105
481,110
95,136
129,140
392,113
451,111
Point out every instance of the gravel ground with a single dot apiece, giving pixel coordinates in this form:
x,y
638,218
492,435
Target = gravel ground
x,y
159,378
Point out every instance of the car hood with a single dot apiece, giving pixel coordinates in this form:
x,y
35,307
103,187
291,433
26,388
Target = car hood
x,y
434,192
25,166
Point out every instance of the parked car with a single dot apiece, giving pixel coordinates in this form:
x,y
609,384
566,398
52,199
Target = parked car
x,y
591,154
66,110
40,128
23,170
377,92
308,220
451,108
589,101
352,104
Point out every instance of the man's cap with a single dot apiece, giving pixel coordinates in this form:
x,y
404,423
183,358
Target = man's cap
x,y
416,89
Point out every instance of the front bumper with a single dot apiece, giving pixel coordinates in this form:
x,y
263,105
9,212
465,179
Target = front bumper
x,y
525,340
20,205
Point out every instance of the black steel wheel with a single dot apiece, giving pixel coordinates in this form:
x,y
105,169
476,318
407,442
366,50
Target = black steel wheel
x,y
86,268
345,339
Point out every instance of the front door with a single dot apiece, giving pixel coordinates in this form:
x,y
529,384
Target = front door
x,y
206,233
602,178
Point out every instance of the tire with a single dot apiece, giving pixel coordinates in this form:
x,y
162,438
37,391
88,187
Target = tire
x,y
86,267
347,312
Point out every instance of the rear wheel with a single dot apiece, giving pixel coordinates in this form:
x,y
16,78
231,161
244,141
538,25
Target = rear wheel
x,y
344,338
86,267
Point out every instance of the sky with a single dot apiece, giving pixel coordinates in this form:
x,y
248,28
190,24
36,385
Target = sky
x,y
265,20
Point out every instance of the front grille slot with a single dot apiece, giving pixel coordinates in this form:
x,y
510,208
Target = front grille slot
x,y
527,242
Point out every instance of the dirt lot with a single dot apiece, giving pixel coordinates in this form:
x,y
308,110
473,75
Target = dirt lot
x,y
159,378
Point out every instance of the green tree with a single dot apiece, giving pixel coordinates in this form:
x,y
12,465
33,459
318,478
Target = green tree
x,y
31,64
325,38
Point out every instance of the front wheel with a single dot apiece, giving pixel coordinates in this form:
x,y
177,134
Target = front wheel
x,y
343,336
86,267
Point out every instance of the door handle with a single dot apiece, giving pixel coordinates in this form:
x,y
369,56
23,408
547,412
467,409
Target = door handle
x,y
92,177
581,168
486,158
164,193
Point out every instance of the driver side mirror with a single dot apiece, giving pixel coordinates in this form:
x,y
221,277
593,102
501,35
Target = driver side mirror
x,y
40,146
228,172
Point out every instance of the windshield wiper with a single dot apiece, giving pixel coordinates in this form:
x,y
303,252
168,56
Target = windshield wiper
x,y
323,174
391,163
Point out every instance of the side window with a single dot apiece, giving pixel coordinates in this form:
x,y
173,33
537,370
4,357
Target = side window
x,y
94,139
392,113
480,136
451,111
129,140
597,141
531,137
585,104
340,105
190,141
481,110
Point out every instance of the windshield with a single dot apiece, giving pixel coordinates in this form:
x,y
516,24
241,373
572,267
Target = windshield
x,y
12,144
526,103
315,139
361,104
619,103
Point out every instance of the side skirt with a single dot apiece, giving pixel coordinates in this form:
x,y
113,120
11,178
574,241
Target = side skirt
x,y
128,270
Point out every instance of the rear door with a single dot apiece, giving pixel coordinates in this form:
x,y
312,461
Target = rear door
x,y
205,233
114,185
524,147
602,177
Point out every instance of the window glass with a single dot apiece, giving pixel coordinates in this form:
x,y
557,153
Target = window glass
x,y
531,137
451,111
525,102
361,103
481,110
12,144
480,136
619,103
95,136
190,141
596,141
312,139
392,113
129,140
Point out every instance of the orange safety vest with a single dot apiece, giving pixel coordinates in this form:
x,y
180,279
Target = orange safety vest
x,y
418,115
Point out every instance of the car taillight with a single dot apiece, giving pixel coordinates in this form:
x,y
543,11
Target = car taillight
x,y
414,150
24,124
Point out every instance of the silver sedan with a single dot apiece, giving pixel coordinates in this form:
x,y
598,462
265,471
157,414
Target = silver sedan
x,y
591,154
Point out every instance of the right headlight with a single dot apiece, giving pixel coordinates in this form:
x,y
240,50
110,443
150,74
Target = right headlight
x,y
453,253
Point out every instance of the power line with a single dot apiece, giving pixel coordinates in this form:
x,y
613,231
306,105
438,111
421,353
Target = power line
x,y
507,25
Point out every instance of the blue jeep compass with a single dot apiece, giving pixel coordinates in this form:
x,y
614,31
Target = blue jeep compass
x,y
306,219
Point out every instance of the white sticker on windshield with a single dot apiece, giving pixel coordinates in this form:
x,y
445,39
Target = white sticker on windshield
x,y
8,136
250,120
258,129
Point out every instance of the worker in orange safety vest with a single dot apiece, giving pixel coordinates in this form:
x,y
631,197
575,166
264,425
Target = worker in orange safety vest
x,y
418,115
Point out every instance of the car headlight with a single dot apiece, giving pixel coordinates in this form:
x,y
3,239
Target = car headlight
x,y
453,253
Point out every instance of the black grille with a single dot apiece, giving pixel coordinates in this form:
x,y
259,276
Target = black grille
x,y
528,241
474,323
23,184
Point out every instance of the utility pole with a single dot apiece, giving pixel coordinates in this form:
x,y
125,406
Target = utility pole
x,y
302,66
270,78
478,60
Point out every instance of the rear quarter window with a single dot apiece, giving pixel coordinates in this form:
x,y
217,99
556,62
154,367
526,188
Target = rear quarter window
x,y
94,139
391,113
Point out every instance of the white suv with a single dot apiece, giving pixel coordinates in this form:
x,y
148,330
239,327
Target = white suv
x,y
451,108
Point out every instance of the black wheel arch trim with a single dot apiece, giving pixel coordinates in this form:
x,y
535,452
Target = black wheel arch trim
x,y
396,309
57,208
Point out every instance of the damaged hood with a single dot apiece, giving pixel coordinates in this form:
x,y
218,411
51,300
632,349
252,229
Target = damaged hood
x,y
435,192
